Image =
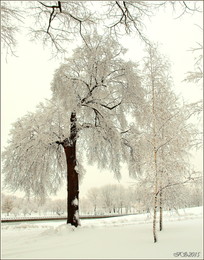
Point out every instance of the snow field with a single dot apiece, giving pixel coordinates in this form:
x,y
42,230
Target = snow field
x,y
128,237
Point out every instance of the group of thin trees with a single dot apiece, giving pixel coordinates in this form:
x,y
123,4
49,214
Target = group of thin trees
x,y
13,206
108,199
104,109
135,199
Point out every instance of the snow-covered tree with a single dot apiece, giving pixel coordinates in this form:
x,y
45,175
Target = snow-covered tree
x,y
123,199
91,98
161,143
85,206
59,206
7,203
93,196
94,88
119,198
110,198
29,205
107,193
142,196
196,193
172,135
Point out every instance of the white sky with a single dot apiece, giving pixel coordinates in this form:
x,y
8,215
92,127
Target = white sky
x,y
25,80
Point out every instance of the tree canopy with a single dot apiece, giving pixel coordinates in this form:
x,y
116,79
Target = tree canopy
x,y
95,84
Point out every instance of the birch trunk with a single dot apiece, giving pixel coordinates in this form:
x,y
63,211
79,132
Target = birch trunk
x,y
160,211
160,187
155,199
154,156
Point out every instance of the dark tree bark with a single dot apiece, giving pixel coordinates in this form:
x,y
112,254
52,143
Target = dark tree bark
x,y
72,175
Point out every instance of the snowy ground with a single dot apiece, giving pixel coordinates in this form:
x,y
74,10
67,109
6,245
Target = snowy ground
x,y
117,237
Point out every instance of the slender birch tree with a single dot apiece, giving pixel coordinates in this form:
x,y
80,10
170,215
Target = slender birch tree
x,y
162,141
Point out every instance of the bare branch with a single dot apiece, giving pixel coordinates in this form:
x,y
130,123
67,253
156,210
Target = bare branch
x,y
189,179
52,14
110,108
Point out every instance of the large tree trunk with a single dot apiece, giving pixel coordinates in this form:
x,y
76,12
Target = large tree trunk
x,y
72,176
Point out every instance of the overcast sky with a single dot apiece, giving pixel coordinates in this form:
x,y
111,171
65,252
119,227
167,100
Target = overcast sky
x,y
25,80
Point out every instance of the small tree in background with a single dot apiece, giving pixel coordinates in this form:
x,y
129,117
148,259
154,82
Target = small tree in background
x,y
93,196
7,204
